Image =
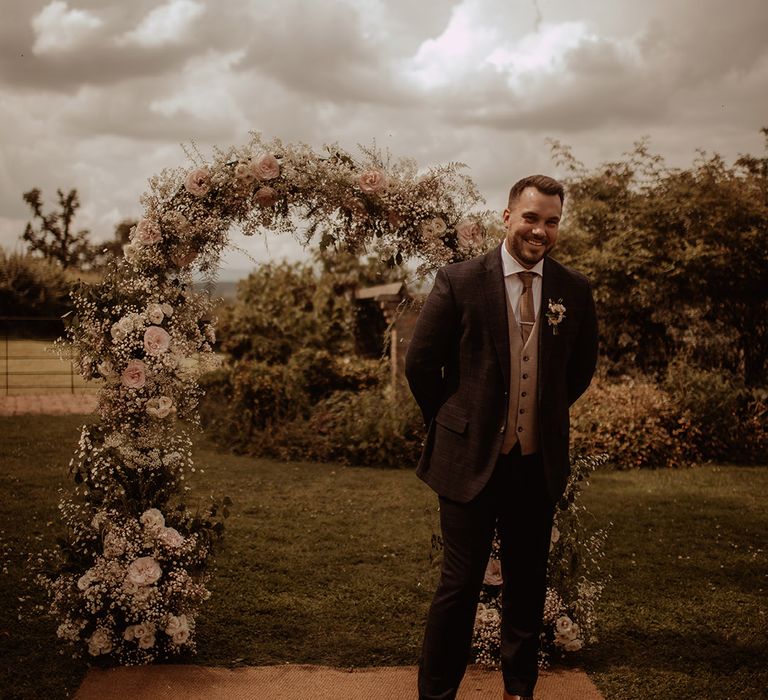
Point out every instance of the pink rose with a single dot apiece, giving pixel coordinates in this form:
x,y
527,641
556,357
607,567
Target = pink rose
x,y
469,233
152,519
160,407
177,629
564,626
177,221
156,340
176,625
144,571
493,573
99,642
134,375
147,641
183,256
265,167
198,182
265,196
373,181
432,229
180,637
147,232
171,537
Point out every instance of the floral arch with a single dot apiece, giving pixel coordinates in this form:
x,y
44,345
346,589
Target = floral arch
x,y
131,575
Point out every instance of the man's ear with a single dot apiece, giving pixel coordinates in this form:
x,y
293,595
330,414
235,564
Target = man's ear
x,y
505,216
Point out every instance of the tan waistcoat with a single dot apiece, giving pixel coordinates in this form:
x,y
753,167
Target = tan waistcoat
x,y
522,415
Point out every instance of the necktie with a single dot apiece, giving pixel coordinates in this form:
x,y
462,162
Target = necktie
x,y
527,314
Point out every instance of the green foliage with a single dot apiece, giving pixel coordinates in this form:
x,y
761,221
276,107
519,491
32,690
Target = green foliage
x,y
282,307
636,423
248,405
678,259
730,419
30,286
294,387
369,427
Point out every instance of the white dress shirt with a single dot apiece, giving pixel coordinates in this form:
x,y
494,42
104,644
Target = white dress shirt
x,y
514,284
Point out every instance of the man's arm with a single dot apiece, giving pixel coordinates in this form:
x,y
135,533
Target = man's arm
x,y
583,360
430,347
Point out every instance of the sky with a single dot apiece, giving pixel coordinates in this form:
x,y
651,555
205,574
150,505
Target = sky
x,y
99,95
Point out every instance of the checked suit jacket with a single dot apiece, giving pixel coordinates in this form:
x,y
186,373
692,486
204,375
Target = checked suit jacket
x,y
458,368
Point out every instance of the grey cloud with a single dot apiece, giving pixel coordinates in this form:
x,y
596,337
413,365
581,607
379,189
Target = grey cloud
x,y
321,51
102,61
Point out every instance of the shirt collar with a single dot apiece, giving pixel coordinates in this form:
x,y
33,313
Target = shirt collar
x,y
512,267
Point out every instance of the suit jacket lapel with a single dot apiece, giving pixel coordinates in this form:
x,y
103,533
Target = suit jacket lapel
x,y
495,294
550,289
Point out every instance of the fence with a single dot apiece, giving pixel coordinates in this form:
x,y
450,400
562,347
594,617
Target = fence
x,y
26,365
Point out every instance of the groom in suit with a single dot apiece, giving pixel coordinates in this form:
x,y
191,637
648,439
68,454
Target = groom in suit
x,y
505,343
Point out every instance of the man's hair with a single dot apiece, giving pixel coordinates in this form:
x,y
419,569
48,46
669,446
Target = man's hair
x,y
543,183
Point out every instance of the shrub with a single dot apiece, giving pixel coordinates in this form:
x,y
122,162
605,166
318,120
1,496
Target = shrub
x,y
32,286
731,419
636,423
248,403
371,427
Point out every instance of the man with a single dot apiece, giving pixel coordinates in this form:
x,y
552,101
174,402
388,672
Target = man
x,y
505,343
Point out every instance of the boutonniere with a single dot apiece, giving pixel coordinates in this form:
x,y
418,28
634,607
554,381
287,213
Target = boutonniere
x,y
555,314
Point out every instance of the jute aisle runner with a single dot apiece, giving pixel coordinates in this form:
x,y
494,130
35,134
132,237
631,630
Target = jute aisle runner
x,y
289,682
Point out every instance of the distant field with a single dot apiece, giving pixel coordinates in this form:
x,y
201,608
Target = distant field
x,y
27,368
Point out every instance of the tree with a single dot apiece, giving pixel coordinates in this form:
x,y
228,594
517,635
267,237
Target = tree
x,y
678,258
53,237
283,307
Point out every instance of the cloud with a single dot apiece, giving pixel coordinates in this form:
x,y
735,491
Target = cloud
x,y
204,90
58,29
167,24
326,51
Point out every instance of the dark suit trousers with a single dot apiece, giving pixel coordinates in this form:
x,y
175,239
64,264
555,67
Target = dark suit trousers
x,y
516,499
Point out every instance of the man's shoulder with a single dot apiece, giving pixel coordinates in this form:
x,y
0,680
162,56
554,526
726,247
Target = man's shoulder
x,y
471,267
567,273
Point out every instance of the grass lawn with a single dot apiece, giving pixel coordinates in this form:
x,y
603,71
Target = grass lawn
x,y
327,564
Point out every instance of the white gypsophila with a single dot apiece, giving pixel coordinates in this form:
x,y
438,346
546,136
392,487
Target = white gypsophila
x,y
114,544
85,581
70,629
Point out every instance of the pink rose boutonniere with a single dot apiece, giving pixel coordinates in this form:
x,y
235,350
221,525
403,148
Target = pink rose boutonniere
x,y
555,314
